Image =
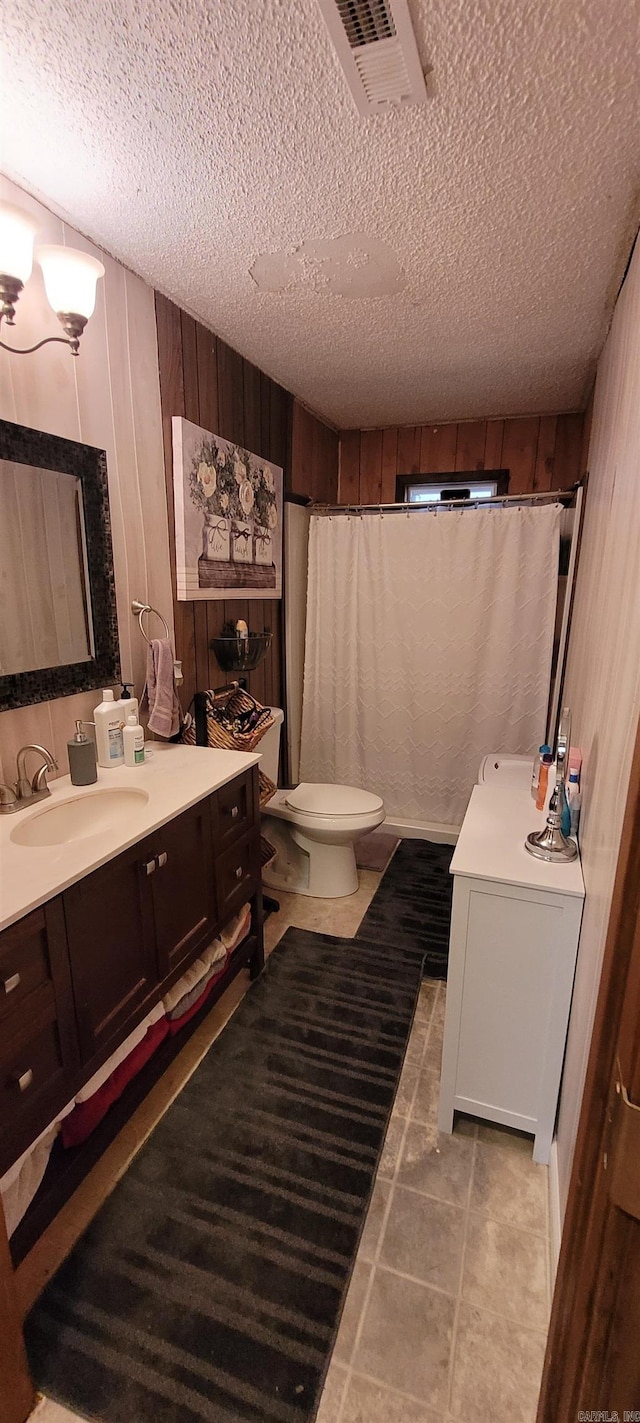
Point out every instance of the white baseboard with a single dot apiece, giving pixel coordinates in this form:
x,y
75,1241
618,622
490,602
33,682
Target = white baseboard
x,y
555,1212
421,830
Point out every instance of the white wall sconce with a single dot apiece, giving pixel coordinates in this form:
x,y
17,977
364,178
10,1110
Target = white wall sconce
x,y
70,278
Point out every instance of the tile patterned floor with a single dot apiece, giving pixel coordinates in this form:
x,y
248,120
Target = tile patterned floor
x,y
448,1307
447,1310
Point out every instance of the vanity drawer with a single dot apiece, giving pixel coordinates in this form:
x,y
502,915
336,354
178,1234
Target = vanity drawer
x,y
32,1067
24,961
233,811
236,876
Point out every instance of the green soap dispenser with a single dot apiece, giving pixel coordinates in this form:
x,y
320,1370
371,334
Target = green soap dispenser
x,y
82,758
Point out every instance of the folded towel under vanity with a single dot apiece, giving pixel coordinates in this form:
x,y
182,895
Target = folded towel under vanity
x,y
164,706
214,957
87,1114
190,992
80,1117
20,1183
108,1068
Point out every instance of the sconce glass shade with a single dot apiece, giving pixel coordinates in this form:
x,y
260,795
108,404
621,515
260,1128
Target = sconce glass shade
x,y
70,279
17,234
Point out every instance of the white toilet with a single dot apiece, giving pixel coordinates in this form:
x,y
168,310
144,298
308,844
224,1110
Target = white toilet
x,y
313,829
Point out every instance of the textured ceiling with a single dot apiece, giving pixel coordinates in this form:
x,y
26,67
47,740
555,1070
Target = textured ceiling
x,y
199,142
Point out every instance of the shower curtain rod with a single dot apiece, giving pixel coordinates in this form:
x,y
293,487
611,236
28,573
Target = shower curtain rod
x,y
563,496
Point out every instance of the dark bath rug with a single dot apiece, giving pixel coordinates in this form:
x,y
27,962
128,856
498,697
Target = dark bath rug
x,y
210,1284
411,908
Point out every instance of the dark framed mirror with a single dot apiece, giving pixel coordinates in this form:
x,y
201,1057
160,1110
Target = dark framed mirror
x,y
58,621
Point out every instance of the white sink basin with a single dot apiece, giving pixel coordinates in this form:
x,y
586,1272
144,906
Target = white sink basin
x,y
80,817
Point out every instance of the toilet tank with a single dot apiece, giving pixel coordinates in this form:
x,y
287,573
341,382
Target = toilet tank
x,y
269,746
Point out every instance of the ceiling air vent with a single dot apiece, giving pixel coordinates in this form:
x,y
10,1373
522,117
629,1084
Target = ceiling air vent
x,y
377,48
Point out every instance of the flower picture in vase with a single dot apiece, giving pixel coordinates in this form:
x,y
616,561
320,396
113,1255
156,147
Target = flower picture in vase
x,y
228,506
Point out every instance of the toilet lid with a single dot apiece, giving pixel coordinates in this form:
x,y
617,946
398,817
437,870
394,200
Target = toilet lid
x,y
332,800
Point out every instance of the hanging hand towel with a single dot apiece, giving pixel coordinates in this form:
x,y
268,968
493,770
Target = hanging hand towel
x,y
164,707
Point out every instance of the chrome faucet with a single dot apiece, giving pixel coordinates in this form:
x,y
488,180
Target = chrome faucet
x,y
26,792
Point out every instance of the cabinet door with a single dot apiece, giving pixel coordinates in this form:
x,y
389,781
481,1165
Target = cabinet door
x,y
183,887
109,920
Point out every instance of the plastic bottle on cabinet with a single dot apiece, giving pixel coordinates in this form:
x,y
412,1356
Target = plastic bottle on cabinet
x,y
574,801
535,774
133,737
109,719
543,783
132,705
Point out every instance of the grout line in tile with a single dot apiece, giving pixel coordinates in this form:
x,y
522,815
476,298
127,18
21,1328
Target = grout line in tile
x,y
343,1395
345,1390
507,1318
376,1256
454,1331
415,1280
442,1200
523,1229
397,1392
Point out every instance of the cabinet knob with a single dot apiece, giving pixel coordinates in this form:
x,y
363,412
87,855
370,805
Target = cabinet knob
x,y
239,872
11,982
149,867
162,859
24,1080
235,811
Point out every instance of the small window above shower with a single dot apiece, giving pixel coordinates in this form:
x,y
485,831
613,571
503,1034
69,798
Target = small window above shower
x,y
446,488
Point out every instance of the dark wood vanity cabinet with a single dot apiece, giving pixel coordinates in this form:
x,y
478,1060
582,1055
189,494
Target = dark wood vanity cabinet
x,y
38,1035
79,974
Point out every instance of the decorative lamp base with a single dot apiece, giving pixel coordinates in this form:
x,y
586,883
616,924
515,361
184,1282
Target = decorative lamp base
x,y
551,844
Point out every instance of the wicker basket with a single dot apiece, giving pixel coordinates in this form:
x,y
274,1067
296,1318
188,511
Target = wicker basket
x,y
222,734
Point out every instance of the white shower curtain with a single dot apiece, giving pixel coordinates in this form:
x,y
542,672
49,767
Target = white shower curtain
x,y
429,642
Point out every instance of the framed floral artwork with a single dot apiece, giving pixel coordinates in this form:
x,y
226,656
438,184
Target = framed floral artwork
x,y
228,507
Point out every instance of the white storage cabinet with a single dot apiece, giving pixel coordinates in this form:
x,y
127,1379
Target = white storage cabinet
x,y
514,939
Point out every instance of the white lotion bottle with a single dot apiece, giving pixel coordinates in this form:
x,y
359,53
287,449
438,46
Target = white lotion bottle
x,y
133,738
108,723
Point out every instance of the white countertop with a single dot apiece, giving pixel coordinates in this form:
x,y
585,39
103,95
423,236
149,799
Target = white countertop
x,y
491,842
174,777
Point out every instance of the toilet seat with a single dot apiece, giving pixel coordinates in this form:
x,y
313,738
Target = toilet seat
x,y
331,802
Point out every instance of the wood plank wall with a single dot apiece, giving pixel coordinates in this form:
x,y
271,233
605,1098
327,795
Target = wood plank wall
x,y
204,380
541,452
314,457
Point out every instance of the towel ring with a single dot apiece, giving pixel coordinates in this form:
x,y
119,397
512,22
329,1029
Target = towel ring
x,y
139,610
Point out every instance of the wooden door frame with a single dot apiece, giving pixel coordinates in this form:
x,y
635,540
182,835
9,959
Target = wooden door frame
x,y
17,1394
581,1305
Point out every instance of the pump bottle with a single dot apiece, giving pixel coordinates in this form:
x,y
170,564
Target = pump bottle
x,y
109,720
